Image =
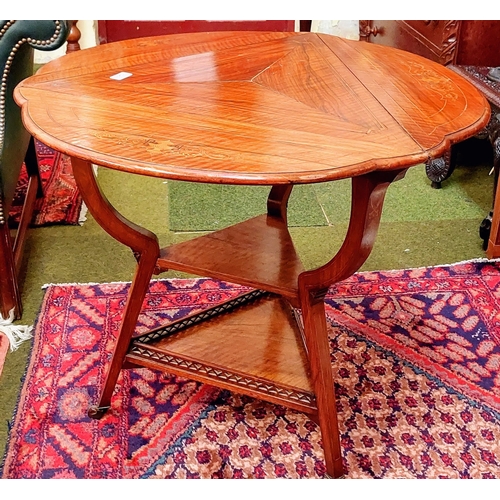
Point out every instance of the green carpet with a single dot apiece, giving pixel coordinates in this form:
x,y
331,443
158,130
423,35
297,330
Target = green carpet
x,y
208,207
420,226
202,207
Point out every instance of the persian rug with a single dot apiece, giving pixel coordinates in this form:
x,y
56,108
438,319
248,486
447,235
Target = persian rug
x,y
415,356
11,336
61,203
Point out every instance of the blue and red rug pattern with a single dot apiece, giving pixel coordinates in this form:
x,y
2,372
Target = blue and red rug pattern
x,y
415,362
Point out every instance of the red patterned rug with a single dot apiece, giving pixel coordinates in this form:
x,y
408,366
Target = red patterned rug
x,y
61,203
416,360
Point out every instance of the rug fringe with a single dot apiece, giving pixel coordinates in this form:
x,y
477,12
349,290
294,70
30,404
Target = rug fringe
x,y
47,285
469,261
16,334
479,259
90,283
83,214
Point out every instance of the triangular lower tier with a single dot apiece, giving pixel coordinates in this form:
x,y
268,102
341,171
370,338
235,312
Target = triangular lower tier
x,y
256,349
258,252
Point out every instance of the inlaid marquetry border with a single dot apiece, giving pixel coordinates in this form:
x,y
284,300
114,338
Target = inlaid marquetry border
x,y
143,353
246,383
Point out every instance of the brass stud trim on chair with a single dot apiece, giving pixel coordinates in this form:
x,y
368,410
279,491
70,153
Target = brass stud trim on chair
x,y
2,218
8,64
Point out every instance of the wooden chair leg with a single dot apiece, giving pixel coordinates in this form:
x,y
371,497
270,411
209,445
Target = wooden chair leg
x,y
33,191
493,248
11,251
31,163
10,298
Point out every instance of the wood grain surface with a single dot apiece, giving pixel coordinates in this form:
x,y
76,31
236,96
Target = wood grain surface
x,y
249,107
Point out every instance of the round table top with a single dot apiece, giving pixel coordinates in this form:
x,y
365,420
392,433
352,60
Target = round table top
x,y
249,107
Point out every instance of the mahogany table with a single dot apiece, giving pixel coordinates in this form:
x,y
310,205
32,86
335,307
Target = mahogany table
x,y
255,108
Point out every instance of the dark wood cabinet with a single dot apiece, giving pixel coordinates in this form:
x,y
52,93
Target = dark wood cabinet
x,y
113,31
475,43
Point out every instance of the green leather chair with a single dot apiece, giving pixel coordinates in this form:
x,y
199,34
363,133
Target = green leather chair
x,y
18,39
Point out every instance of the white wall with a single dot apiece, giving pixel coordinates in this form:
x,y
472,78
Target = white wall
x,y
88,30
345,29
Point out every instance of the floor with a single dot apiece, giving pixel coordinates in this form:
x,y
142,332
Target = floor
x,y
420,226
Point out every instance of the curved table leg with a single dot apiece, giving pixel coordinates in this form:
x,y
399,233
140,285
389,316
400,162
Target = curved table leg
x,y
277,201
368,192
145,246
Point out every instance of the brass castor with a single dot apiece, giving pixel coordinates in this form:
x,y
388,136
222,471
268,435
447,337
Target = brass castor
x,y
97,412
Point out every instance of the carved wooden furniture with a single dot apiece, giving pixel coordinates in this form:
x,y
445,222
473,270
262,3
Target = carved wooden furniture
x,y
117,30
18,39
251,108
478,76
469,43
473,43
73,39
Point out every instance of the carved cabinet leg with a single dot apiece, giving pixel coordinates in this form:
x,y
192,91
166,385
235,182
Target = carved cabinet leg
x,y
486,223
485,229
439,169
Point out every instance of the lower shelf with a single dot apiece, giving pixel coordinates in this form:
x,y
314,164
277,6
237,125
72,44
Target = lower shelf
x,y
255,349
258,252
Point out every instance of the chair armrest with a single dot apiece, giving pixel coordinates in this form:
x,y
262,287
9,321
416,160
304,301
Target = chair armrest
x,y
18,39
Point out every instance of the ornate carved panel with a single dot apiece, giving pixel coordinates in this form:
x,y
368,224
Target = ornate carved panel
x,y
449,46
436,40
